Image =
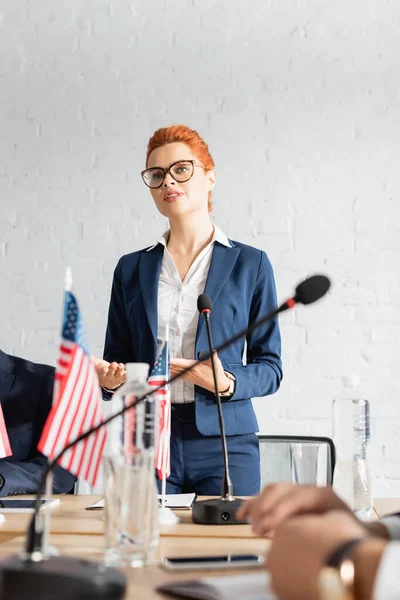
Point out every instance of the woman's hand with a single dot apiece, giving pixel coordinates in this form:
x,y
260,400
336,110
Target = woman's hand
x,y
111,375
201,374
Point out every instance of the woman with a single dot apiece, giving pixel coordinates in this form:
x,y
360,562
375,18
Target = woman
x,y
160,285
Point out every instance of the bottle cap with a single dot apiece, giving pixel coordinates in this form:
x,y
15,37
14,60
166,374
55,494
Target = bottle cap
x,y
137,371
351,380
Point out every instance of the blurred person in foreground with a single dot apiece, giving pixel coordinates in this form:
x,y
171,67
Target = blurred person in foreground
x,y
319,546
26,396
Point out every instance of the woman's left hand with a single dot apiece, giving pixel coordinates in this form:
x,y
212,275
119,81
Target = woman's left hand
x,y
201,374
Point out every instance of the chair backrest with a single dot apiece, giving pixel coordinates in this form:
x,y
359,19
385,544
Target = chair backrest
x,y
297,459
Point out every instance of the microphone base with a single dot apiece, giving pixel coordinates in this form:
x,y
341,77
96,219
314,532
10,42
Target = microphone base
x,y
60,577
217,512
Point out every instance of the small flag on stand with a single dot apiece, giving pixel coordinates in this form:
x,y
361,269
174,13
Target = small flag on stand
x,y
77,404
5,448
160,376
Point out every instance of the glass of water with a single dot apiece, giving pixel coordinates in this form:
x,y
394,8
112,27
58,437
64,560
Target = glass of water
x,y
131,510
308,463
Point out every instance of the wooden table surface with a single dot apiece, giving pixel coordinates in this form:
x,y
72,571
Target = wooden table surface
x,y
79,532
76,531
385,506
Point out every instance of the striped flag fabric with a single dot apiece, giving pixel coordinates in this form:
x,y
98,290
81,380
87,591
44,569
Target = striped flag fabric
x,y
5,448
77,402
160,376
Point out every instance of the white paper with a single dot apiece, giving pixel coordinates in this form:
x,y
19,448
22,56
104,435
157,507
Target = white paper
x,y
171,501
253,586
178,500
99,504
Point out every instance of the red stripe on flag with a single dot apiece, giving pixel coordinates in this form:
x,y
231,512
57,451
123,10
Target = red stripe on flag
x,y
5,448
77,409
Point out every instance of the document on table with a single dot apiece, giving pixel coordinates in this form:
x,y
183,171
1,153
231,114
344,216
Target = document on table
x,y
172,501
254,586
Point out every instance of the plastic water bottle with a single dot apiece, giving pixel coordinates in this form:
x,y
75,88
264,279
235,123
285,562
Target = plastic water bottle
x,y
351,434
131,501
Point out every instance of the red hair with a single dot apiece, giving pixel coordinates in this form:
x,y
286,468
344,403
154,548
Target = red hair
x,y
190,137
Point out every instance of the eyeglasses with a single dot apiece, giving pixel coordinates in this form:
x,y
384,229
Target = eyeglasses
x,y
181,171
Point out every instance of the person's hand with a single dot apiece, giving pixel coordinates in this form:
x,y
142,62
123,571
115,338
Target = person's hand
x,y
111,375
201,374
281,501
300,548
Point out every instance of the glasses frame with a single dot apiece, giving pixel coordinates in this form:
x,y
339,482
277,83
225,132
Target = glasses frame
x,y
168,170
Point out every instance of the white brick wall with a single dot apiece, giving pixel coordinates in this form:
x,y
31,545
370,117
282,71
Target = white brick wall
x,y
299,101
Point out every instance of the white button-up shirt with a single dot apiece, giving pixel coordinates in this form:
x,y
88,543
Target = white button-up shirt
x,y
177,307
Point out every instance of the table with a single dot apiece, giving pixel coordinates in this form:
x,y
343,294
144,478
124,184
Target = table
x,y
79,532
385,506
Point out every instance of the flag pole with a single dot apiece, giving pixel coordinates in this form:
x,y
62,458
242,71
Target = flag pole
x,y
49,550
164,476
166,516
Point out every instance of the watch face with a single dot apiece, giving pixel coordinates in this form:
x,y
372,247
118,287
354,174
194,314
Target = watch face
x,y
330,585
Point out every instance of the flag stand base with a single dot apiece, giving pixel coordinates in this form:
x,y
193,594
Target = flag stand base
x,y
60,577
167,517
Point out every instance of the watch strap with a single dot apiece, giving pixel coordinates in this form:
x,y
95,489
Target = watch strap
x,y
341,552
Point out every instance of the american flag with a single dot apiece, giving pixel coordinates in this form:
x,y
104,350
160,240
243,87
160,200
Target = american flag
x,y
5,448
160,376
77,402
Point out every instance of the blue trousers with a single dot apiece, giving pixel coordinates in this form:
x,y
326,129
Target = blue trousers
x,y
197,461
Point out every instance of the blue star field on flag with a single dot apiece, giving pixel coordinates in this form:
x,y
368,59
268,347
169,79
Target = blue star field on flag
x,y
72,328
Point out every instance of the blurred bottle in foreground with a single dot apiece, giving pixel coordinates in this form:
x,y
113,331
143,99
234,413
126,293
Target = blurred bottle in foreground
x,y
131,503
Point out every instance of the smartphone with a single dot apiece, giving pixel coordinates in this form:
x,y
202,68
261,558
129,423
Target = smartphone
x,y
26,506
232,561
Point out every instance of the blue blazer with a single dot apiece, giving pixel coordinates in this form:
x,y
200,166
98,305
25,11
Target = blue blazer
x,y
26,392
241,286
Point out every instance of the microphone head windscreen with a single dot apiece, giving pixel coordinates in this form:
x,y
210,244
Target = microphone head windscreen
x,y
312,289
204,303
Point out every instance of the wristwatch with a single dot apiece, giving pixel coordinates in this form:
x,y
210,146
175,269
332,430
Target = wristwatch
x,y
336,578
232,386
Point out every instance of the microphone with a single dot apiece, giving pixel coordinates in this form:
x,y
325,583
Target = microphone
x,y
221,510
308,291
67,577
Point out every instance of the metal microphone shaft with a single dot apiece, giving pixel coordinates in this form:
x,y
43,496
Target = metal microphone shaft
x,y
222,510
226,483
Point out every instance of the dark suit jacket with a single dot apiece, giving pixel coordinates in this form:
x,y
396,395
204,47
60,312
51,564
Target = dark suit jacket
x,y
26,396
241,286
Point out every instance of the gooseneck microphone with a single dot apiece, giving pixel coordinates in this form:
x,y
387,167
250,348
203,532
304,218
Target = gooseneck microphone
x,y
39,578
223,510
204,306
220,510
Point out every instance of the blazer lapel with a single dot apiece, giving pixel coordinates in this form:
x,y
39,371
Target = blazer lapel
x,y
222,262
149,275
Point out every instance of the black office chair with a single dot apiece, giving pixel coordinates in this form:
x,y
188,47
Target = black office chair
x,y
297,459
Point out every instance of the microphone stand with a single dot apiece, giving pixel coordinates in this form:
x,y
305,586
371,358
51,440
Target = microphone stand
x,y
222,510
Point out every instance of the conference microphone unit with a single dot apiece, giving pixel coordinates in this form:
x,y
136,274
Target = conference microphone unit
x,y
222,511
37,577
